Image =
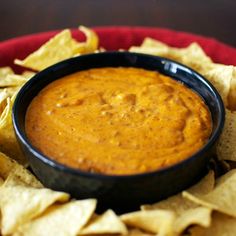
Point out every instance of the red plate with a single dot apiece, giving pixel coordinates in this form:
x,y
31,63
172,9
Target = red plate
x,y
113,38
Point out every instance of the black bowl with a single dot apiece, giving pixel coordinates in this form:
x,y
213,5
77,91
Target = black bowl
x,y
119,192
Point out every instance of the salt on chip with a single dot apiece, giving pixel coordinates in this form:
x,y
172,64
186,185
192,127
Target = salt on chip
x,y
10,169
20,203
226,148
154,221
187,212
67,219
222,198
62,46
107,223
222,225
8,142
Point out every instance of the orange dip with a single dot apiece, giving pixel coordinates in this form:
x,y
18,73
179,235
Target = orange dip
x,y
118,121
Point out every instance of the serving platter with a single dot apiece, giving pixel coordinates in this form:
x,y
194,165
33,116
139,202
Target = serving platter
x,y
114,38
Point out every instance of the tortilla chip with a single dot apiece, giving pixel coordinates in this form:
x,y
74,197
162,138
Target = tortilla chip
x,y
153,221
67,219
222,225
48,54
193,55
107,223
10,169
193,216
28,74
91,43
232,92
4,71
222,198
1,181
20,203
187,212
13,80
8,142
220,76
226,148
138,232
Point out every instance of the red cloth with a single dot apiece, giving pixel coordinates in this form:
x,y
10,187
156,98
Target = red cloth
x,y
113,38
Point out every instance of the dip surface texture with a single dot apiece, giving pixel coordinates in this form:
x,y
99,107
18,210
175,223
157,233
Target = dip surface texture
x,y
118,121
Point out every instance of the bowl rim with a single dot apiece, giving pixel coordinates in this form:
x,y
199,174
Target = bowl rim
x,y
75,171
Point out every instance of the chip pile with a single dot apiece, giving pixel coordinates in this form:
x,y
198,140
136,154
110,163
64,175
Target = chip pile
x,y
28,208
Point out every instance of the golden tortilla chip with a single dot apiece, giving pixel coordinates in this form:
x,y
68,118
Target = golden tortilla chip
x,y
1,181
20,203
91,43
187,212
232,92
13,80
193,216
193,55
67,219
107,223
226,148
10,169
222,225
4,71
8,142
62,46
28,74
222,198
220,76
153,221
138,232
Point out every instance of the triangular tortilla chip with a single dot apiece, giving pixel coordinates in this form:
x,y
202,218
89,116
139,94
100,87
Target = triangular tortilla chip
x,y
8,142
61,220
4,71
222,198
222,225
232,92
187,212
13,80
107,223
10,169
153,221
20,203
226,148
62,46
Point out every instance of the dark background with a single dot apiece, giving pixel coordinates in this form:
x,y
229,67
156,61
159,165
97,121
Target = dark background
x,y
213,18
